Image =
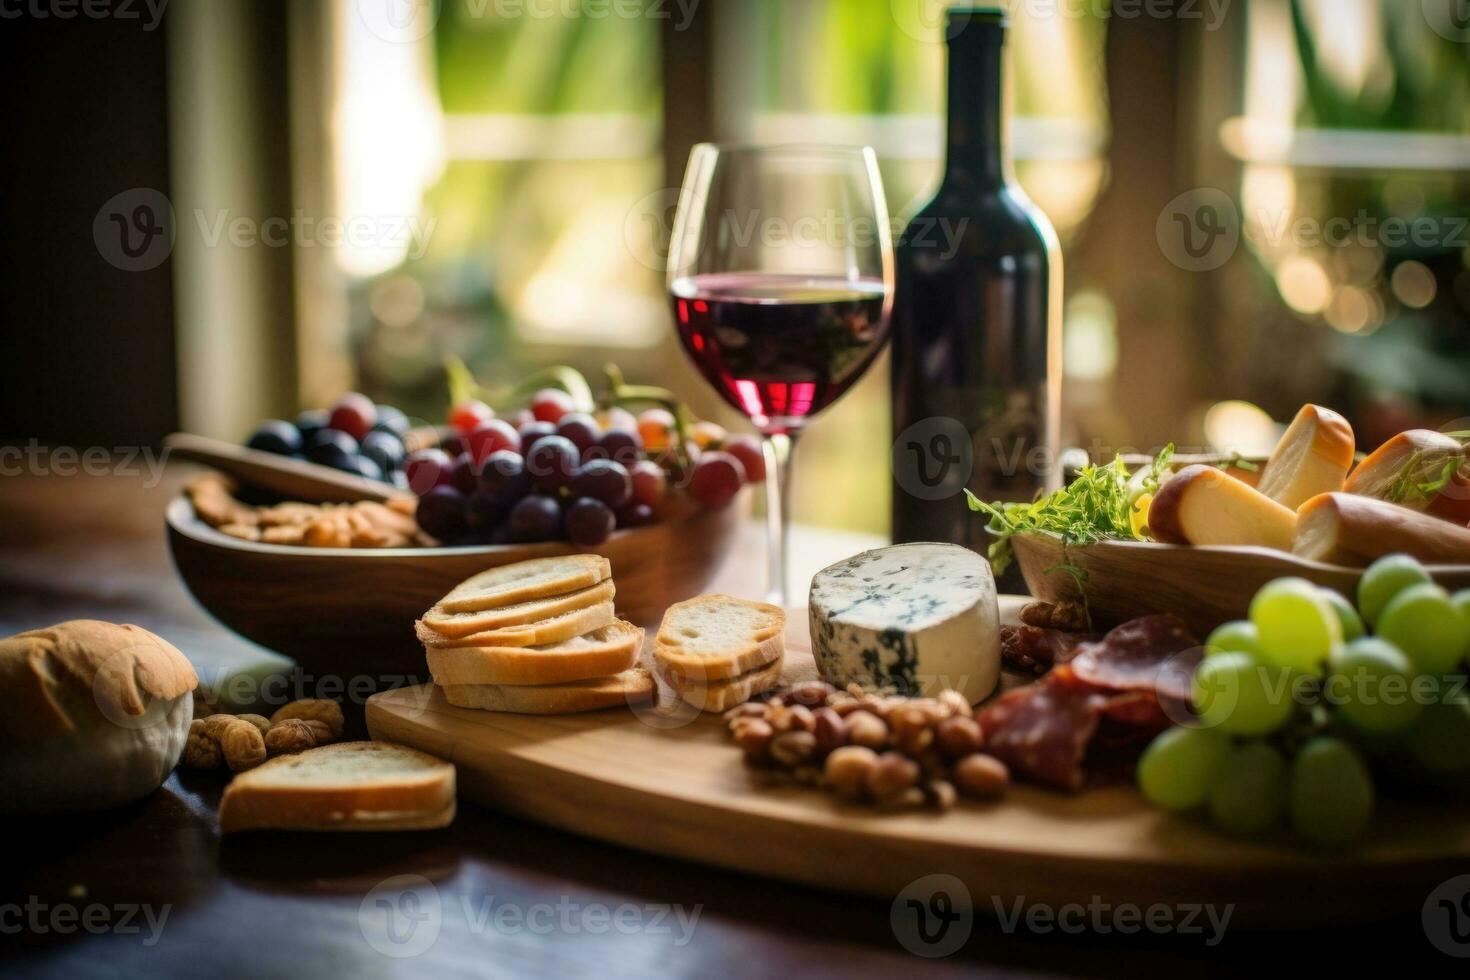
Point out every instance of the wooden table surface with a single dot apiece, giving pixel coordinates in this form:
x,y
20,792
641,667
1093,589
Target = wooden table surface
x,y
153,889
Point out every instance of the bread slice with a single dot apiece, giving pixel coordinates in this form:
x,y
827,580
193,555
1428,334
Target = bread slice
x,y
346,786
539,578
546,631
718,637
455,624
726,694
631,686
607,650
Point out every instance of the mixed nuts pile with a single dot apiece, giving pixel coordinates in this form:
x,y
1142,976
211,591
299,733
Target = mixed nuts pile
x,y
895,752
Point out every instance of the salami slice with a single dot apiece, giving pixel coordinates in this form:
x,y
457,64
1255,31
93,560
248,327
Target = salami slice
x,y
1042,731
1154,653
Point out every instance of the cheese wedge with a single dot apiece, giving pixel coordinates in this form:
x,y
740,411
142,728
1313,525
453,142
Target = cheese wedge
x,y
553,630
1203,505
538,578
1349,529
632,686
453,624
1381,474
1313,457
609,650
918,618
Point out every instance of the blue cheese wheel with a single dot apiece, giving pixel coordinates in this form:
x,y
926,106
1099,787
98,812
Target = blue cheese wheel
x,y
918,618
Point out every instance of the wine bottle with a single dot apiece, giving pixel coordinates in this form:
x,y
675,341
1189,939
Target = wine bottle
x,y
976,317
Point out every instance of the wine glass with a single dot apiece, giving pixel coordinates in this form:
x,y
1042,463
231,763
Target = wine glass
x,y
781,277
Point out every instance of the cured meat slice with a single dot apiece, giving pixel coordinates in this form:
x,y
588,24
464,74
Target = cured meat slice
x,y
1153,653
1042,731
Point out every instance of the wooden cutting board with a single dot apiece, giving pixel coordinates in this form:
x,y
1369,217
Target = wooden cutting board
x,y
682,791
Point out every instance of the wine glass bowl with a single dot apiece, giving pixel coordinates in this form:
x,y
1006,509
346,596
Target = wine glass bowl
x,y
781,278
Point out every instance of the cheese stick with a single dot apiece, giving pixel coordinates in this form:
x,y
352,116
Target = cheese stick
x,y
1347,529
1379,474
1202,505
1313,457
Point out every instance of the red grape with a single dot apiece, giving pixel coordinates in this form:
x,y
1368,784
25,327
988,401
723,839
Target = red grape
x,y
535,518
275,436
589,522
580,428
716,478
533,432
550,404
354,414
492,436
747,449
455,444
520,417
467,415
484,511
656,429
650,483
552,462
636,515
620,445
708,435
427,469
604,480
504,477
441,513
464,477
617,417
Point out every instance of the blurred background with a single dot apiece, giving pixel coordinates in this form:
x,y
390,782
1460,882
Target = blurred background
x,y
1261,203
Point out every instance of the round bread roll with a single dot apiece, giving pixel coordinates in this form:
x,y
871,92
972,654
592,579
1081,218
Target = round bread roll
x,y
92,715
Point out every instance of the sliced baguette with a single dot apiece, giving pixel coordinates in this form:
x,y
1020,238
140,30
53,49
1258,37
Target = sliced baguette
x,y
607,650
540,633
539,578
346,786
718,637
726,694
631,686
454,624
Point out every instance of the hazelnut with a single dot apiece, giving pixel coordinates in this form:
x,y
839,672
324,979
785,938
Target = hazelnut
x,y
956,703
791,749
750,709
981,777
906,800
243,746
830,730
802,719
893,774
939,793
752,735
958,736
313,709
259,721
848,770
914,741
864,728
293,735
810,694
201,751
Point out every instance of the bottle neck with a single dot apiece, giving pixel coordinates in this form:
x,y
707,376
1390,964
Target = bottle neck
x,y
977,155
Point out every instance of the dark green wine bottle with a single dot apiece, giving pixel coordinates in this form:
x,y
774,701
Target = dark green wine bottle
x,y
976,317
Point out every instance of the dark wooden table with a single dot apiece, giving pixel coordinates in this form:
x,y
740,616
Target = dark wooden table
x,y
152,889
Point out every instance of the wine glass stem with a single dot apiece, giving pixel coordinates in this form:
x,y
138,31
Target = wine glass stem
x,y
777,447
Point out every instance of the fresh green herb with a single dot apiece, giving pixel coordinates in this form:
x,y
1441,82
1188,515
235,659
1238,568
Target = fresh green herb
x,y
1239,462
1425,474
1098,504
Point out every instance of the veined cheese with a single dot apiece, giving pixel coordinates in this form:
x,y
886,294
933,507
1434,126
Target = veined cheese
x,y
919,618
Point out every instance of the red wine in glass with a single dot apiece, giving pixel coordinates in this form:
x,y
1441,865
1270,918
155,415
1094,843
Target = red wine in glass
x,y
780,347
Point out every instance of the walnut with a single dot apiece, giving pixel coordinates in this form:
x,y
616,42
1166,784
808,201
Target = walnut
x,y
259,721
1069,614
243,745
327,712
202,750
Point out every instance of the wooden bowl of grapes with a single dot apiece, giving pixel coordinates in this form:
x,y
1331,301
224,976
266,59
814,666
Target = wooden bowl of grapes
x,y
349,612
